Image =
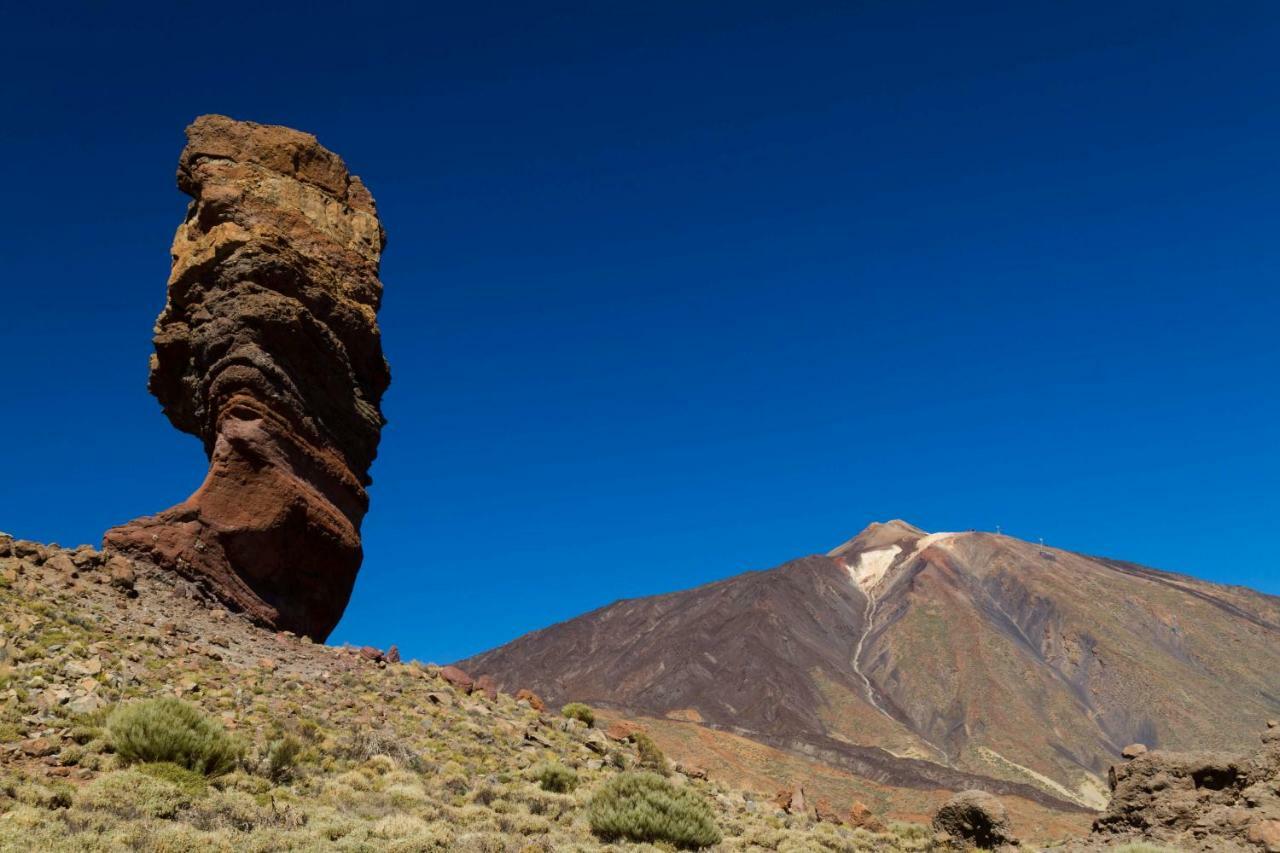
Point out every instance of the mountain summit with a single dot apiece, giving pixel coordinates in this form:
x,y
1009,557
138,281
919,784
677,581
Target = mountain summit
x,y
932,660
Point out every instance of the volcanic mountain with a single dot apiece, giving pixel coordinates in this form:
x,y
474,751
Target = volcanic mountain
x,y
930,660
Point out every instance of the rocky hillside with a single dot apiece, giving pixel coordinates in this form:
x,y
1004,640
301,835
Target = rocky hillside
x,y
391,755
924,661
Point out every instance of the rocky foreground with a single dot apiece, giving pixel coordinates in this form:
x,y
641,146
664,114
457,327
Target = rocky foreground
x,y
395,755
411,756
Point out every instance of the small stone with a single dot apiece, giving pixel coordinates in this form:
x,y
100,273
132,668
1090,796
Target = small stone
x,y
86,704
38,747
268,664
92,666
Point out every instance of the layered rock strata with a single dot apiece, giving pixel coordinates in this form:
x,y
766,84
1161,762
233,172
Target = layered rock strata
x,y
268,350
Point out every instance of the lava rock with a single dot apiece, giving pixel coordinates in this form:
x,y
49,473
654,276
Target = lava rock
x,y
1133,750
976,818
269,351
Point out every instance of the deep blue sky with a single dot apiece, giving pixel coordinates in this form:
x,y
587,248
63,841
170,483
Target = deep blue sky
x,y
678,290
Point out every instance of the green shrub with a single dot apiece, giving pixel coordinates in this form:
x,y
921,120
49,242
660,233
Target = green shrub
x,y
640,806
579,711
282,758
649,755
555,777
169,730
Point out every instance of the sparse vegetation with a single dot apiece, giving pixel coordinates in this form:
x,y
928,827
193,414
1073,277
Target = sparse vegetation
x,y
642,806
580,712
338,753
649,756
170,730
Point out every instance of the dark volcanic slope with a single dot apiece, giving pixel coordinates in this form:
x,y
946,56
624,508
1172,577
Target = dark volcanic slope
x,y
960,654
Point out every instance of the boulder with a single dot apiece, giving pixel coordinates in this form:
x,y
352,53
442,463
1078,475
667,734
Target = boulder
x,y
861,817
61,563
269,351
976,818
535,702
1133,750
793,802
457,678
824,812
486,685
121,572
1206,800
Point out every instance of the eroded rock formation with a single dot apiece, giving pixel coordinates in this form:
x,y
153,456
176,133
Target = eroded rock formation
x,y
1198,800
268,349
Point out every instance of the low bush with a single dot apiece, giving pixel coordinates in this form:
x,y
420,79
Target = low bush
x,y
579,711
282,758
649,756
555,777
641,806
169,730
132,794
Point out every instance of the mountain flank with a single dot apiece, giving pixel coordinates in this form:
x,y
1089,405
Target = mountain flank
x,y
939,660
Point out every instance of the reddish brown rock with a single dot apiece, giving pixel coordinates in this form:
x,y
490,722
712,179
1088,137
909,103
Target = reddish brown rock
x,y
623,730
793,801
486,685
825,813
532,698
861,817
268,349
38,747
393,654
457,678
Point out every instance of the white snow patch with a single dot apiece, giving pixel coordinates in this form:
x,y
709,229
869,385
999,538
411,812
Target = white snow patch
x,y
872,565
